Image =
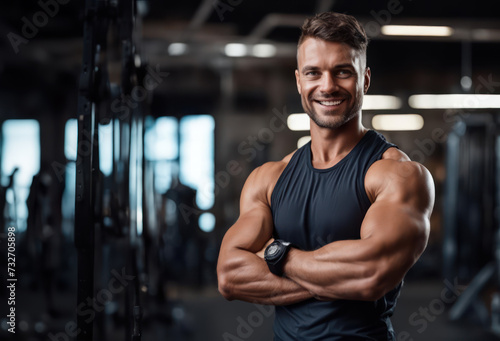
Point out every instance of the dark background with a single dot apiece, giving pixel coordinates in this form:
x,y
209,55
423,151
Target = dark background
x,y
39,80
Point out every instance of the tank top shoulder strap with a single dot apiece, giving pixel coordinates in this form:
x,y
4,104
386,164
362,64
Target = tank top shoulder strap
x,y
374,146
296,159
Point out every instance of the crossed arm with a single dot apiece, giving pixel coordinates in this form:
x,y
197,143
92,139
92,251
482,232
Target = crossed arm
x,y
394,233
242,274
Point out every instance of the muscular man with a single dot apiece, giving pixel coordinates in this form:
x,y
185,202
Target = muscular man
x,y
354,207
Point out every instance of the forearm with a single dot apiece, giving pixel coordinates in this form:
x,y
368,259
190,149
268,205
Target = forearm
x,y
340,270
245,276
365,268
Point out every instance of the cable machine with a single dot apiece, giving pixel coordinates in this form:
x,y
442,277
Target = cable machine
x,y
471,245
109,217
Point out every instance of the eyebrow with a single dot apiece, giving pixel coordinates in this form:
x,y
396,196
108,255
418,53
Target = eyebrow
x,y
314,68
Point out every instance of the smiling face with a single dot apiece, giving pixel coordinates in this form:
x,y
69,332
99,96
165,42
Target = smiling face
x,y
331,80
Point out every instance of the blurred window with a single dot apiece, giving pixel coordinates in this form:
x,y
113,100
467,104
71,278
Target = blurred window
x,y
20,149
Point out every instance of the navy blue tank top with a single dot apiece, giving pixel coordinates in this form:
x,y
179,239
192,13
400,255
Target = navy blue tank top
x,y
314,207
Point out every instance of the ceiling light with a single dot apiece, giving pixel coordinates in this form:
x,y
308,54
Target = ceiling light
x,y
177,49
303,140
454,101
466,83
398,122
298,122
235,50
264,50
381,102
421,31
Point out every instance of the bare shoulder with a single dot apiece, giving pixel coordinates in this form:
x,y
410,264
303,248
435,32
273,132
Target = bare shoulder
x,y
395,154
262,180
396,178
287,158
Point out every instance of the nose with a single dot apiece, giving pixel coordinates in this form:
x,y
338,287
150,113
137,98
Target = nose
x,y
328,83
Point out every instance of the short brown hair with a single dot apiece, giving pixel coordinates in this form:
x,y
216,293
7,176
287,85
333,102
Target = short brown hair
x,y
335,27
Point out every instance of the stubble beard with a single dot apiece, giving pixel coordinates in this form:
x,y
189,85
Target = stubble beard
x,y
334,121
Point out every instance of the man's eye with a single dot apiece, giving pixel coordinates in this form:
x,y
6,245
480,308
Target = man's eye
x,y
344,73
311,73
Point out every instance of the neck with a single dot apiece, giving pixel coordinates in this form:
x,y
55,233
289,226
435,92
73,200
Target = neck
x,y
330,145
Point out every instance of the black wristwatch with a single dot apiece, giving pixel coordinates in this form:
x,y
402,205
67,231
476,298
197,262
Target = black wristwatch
x,y
275,255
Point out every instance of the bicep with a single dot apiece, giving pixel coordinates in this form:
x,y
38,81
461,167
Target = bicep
x,y
250,232
397,223
254,226
396,232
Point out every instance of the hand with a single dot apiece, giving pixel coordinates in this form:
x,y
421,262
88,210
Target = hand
x,y
261,252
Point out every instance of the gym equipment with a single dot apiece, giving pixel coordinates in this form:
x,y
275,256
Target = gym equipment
x,y
91,236
471,241
469,223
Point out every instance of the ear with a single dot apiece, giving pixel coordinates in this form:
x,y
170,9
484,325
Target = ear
x,y
297,79
368,75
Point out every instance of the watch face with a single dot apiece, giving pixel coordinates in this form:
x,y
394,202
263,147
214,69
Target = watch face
x,y
272,250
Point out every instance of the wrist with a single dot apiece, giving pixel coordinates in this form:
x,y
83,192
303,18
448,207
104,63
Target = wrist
x,y
289,261
275,256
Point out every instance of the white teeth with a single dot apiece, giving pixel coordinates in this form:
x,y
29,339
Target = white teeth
x,y
330,102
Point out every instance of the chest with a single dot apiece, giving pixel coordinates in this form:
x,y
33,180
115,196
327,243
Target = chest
x,y
312,208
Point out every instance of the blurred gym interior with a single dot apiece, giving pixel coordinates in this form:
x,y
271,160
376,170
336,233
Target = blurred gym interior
x,y
128,128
